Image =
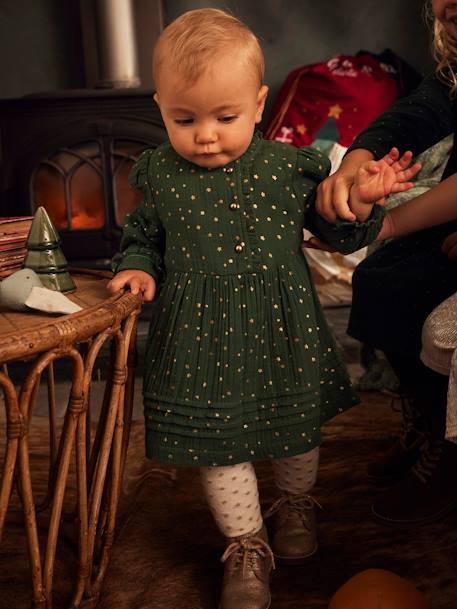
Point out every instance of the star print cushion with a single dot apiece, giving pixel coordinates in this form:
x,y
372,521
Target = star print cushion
x,y
332,101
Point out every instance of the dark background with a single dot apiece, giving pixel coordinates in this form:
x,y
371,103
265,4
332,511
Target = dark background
x,y
41,45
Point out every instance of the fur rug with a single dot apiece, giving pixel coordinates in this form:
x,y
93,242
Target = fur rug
x,y
167,549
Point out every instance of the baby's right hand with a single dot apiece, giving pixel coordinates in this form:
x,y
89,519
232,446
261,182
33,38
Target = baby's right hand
x,y
138,281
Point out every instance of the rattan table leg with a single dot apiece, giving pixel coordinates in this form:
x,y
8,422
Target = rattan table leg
x,y
99,467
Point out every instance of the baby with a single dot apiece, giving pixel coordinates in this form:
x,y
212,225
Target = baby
x,y
239,364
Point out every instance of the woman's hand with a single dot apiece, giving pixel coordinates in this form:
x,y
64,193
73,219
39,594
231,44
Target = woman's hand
x,y
313,243
449,246
138,281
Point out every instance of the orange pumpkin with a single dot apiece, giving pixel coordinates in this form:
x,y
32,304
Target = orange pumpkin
x,y
377,589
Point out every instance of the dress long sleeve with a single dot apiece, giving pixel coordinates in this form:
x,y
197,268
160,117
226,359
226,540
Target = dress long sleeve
x,y
143,239
346,237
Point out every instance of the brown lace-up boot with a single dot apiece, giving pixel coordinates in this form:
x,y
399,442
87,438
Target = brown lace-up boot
x,y
398,460
294,538
248,563
427,493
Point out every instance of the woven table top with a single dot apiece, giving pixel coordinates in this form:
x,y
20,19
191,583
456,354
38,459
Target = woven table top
x,y
23,334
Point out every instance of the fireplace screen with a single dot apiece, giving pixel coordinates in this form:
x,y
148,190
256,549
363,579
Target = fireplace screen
x,y
72,153
72,184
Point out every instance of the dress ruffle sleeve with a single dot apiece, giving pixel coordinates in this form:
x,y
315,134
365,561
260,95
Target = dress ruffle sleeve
x,y
143,238
345,237
312,165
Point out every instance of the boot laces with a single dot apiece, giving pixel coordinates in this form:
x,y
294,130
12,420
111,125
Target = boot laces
x,y
428,460
295,505
246,552
410,417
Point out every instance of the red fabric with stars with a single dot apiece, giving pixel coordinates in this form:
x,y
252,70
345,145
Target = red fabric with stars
x,y
333,100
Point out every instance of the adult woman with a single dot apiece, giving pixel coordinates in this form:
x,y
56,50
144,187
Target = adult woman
x,y
402,282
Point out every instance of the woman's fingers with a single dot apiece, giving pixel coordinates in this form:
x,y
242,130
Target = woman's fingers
x,y
449,246
324,200
341,201
316,244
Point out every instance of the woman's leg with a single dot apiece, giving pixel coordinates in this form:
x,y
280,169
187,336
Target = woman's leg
x,y
428,491
426,388
394,290
439,352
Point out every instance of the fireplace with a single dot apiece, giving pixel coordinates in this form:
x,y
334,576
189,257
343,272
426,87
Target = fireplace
x,y
71,152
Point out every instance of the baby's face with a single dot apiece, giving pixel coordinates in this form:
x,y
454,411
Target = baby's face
x,y
211,122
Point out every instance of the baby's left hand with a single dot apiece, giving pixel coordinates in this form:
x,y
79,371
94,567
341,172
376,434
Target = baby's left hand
x,y
377,179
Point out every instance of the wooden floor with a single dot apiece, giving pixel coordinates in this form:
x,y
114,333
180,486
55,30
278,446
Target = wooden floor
x,y
167,550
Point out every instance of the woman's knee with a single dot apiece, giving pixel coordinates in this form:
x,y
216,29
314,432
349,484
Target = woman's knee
x,y
439,336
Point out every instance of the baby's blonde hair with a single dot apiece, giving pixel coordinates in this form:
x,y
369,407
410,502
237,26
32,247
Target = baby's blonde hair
x,y
193,40
444,51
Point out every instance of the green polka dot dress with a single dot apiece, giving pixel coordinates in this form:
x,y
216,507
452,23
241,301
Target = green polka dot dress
x,y
239,363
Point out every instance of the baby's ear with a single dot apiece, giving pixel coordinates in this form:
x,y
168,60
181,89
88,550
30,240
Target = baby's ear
x,y
261,98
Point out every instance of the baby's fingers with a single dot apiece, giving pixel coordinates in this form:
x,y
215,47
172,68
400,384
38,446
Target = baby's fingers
x,y
116,284
403,161
148,291
392,156
402,177
412,171
401,186
135,285
143,287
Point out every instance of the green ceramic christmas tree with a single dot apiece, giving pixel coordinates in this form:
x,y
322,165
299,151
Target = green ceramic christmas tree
x,y
44,255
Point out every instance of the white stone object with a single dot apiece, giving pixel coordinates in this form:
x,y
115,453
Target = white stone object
x,y
50,301
15,289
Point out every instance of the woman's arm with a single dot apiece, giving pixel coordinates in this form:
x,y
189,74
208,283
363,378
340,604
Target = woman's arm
x,y
436,206
415,123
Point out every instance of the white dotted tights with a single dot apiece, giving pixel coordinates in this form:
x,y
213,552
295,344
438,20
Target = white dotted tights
x,y
233,495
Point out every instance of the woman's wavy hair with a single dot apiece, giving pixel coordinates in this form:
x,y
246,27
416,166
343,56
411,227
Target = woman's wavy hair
x,y
444,49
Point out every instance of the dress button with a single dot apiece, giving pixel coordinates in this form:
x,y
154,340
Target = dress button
x,y
238,248
229,169
234,205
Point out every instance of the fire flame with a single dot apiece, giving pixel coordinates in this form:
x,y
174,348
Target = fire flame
x,y
84,195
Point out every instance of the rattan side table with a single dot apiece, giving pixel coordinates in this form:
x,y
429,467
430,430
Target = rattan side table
x,y
39,340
